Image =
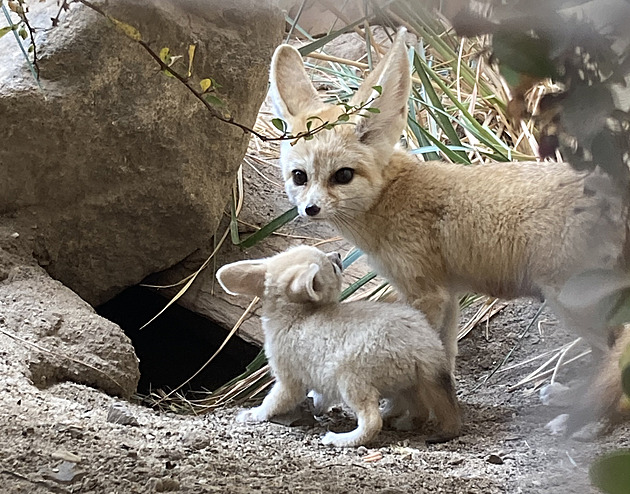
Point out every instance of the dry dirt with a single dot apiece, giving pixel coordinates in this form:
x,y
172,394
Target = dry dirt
x,y
59,440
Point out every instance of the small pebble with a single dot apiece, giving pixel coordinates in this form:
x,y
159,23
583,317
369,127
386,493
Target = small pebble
x,y
119,413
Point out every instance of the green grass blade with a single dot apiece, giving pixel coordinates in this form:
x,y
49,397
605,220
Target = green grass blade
x,y
455,157
265,231
357,284
439,116
316,45
352,256
483,134
420,137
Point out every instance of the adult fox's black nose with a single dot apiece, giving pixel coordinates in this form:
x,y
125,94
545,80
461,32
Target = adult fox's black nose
x,y
312,210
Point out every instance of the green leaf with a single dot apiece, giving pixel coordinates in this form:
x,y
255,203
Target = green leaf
x,y
454,156
23,34
214,100
611,473
316,45
165,55
344,117
352,256
5,30
620,314
481,133
128,30
280,124
371,109
378,89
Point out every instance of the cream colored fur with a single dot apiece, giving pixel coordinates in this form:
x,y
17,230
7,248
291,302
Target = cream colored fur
x,y
354,352
437,230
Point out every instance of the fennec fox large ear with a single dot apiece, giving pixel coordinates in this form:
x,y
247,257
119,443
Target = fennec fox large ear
x,y
302,288
292,92
392,74
243,278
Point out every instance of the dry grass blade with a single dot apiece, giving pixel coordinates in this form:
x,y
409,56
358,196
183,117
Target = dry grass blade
x,y
241,391
221,347
488,309
189,280
543,375
558,356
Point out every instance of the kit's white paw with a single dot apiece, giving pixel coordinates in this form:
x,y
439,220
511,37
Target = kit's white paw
x,y
252,415
558,425
555,395
344,440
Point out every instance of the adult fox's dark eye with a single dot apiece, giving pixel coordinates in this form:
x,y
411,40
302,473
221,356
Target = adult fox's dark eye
x,y
299,177
343,175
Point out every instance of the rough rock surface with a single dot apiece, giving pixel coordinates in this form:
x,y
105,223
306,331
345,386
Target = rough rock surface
x,y
48,334
114,170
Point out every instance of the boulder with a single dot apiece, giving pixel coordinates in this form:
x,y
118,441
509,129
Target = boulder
x,y
113,170
48,334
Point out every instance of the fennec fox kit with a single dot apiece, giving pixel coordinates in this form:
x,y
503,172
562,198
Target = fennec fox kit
x,y
355,352
437,230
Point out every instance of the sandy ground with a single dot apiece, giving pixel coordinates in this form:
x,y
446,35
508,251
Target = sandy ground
x,y
59,440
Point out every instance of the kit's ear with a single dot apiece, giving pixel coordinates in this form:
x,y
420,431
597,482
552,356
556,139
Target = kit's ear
x,y
243,278
292,93
303,286
393,76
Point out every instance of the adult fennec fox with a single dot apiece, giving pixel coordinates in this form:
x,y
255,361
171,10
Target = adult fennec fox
x,y
436,230
355,352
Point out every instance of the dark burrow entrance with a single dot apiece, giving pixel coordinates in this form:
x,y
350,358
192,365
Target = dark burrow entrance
x,y
174,346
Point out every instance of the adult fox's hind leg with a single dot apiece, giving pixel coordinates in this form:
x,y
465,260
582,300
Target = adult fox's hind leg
x,y
439,392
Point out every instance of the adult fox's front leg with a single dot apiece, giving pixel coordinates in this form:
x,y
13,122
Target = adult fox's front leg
x,y
441,309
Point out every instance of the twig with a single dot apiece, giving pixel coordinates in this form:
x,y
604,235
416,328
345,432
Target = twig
x,y
31,33
31,66
62,7
200,95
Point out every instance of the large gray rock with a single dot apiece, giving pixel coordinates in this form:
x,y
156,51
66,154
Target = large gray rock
x,y
115,171
48,334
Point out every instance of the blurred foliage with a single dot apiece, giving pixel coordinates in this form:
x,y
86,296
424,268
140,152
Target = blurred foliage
x,y
611,473
583,49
